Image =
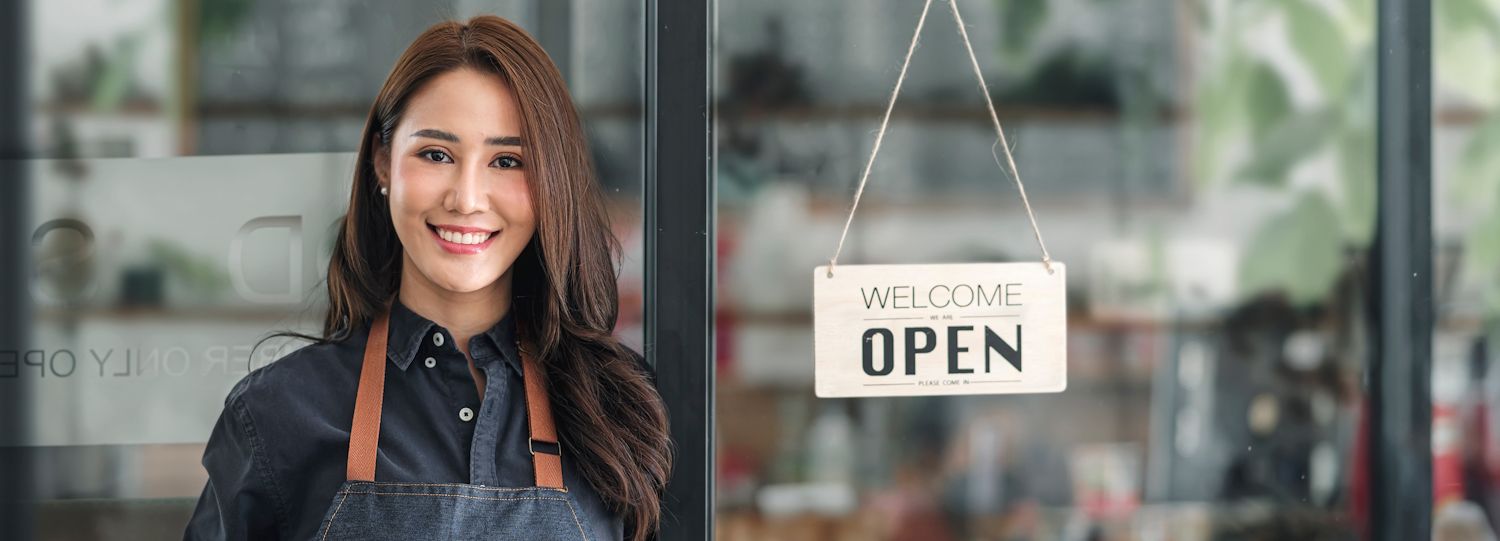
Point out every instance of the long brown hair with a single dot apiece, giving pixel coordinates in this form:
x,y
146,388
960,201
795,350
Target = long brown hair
x,y
610,417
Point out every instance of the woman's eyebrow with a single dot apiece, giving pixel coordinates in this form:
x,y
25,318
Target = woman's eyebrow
x,y
509,140
436,134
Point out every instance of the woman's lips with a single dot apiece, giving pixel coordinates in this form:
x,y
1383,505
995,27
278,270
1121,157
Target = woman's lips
x,y
461,249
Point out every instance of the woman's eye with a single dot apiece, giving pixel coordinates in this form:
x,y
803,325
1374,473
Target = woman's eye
x,y
507,162
435,156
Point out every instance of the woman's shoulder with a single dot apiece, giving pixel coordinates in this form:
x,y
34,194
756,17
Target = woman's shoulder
x,y
306,376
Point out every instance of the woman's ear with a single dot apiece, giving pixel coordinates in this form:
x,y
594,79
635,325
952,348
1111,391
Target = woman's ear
x,y
381,156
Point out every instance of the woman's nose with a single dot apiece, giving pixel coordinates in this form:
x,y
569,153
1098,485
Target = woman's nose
x,y
468,193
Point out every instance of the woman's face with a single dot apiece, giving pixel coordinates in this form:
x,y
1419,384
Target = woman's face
x,y
457,182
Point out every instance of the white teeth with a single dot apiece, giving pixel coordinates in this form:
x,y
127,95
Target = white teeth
x,y
462,238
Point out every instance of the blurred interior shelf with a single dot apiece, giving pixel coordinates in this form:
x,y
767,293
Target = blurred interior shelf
x,y
1453,115
928,112
129,108
178,313
272,109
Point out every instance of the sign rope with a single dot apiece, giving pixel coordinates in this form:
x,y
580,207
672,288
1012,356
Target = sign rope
x,y
1000,142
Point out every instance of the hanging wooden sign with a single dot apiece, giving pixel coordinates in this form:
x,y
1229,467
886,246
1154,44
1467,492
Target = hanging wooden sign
x,y
910,330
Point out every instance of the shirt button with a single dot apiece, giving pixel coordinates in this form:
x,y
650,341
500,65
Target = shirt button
x,y
466,415
430,362
437,339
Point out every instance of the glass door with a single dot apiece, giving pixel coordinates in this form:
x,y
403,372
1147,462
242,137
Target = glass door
x,y
170,183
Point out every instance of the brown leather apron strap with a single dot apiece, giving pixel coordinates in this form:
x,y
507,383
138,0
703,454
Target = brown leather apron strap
x,y
546,453
364,434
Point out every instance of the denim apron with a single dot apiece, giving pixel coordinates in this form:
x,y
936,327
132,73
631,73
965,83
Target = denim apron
x,y
364,508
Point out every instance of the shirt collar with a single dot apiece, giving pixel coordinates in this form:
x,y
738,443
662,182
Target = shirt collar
x,y
410,335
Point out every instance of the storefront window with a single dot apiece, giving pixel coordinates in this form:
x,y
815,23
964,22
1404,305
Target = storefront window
x,y
1207,171
188,161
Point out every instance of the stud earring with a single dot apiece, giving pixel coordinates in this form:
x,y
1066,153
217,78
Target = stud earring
x,y
384,190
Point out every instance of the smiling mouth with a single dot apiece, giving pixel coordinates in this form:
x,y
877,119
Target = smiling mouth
x,y
461,238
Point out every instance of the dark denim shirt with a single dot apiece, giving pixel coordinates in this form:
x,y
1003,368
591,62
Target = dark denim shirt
x,y
280,448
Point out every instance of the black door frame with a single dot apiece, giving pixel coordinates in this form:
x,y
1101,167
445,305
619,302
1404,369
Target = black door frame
x,y
15,297
679,251
1399,372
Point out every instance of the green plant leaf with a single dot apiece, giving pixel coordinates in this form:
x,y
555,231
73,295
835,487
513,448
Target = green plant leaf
x,y
1482,260
1020,21
1220,113
1315,36
1466,65
198,273
1356,148
1476,179
1362,12
1466,34
1293,138
112,86
1358,105
1458,15
1267,100
1298,253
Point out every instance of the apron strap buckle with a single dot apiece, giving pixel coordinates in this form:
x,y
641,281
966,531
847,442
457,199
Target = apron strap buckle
x,y
544,446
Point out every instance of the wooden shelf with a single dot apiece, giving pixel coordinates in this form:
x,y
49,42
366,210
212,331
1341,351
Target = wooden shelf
x,y
130,108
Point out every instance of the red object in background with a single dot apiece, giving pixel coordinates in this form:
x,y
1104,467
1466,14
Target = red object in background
x,y
1447,456
1359,474
725,322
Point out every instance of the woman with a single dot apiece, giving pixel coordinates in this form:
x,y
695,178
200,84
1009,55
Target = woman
x,y
467,384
